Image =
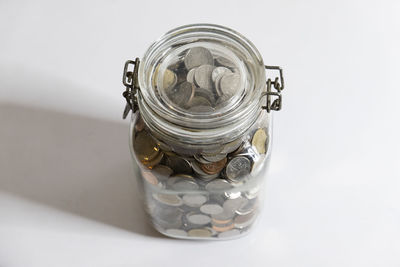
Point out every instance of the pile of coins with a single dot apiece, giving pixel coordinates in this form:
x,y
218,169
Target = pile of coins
x,y
200,83
201,193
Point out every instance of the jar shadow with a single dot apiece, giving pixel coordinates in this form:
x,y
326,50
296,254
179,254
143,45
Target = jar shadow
x,y
71,163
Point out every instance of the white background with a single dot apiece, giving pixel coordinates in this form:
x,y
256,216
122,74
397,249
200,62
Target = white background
x,y
68,196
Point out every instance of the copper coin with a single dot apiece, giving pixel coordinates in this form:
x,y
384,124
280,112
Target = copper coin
x,y
214,167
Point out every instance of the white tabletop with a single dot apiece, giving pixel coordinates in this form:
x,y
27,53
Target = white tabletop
x,y
68,195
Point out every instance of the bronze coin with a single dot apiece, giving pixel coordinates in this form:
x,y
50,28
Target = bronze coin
x,y
213,167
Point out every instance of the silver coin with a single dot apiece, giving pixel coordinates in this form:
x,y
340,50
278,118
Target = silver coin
x,y
202,76
167,217
179,165
230,84
194,200
229,234
203,232
219,71
200,159
231,146
238,168
185,185
176,232
198,218
167,199
218,185
214,158
243,221
217,86
181,94
234,204
211,208
197,56
222,61
190,75
247,208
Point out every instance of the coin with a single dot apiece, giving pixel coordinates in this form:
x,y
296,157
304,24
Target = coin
x,y
198,218
231,146
243,221
145,147
259,140
179,165
149,177
229,84
238,168
202,76
176,232
181,94
222,61
211,208
151,163
213,157
223,227
229,234
185,184
213,167
167,217
219,71
218,185
203,232
222,218
168,199
199,158
203,175
169,79
232,205
190,75
197,56
194,200
162,172
247,208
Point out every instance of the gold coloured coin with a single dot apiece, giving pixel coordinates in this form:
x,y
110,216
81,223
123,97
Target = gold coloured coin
x,y
259,140
145,147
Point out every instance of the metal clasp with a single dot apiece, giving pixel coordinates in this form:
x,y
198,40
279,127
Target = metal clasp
x,y
278,85
130,80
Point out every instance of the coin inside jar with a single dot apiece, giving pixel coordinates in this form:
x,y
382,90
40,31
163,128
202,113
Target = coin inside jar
x,y
259,140
145,147
211,208
181,94
179,165
238,168
198,218
203,232
213,167
197,56
202,76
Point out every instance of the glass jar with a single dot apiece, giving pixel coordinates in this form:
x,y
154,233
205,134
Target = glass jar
x,y
201,130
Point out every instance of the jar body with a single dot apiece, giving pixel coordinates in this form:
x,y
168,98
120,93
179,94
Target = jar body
x,y
198,194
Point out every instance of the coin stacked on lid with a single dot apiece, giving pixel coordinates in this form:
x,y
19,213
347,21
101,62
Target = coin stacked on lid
x,y
201,193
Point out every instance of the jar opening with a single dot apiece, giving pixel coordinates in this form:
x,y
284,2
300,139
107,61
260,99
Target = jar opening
x,y
201,82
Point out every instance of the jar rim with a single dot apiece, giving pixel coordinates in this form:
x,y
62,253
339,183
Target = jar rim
x,y
201,128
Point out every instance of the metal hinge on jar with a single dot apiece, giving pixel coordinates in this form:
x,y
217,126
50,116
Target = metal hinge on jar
x,y
274,98
130,80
